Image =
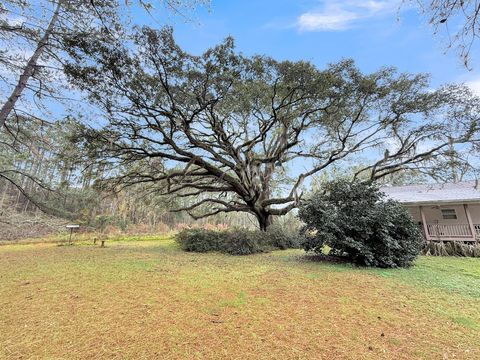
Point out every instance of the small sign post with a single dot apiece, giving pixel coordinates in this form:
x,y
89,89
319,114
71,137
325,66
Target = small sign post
x,y
71,227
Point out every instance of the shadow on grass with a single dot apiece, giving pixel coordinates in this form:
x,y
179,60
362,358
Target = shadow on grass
x,y
326,259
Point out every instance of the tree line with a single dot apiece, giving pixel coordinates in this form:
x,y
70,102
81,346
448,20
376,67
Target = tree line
x,y
47,169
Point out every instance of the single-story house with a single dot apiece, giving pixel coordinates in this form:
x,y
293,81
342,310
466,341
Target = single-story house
x,y
445,212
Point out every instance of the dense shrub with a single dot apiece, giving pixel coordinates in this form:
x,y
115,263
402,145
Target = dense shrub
x,y
356,222
243,242
282,237
198,240
237,241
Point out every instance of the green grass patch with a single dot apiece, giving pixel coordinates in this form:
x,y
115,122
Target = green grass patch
x,y
452,274
239,300
145,298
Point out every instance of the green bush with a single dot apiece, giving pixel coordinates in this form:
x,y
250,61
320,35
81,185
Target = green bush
x,y
282,237
357,223
237,241
243,242
234,242
199,240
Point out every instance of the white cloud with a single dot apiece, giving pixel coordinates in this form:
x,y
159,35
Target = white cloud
x,y
323,21
344,14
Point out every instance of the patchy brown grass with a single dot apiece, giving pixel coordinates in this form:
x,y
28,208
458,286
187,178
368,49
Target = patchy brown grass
x,y
149,300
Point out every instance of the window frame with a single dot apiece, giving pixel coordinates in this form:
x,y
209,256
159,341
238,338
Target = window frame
x,y
449,214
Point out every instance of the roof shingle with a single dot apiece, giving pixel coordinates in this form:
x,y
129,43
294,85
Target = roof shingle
x,y
434,193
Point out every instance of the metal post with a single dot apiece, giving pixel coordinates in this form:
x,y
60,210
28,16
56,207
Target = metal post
x,y
71,228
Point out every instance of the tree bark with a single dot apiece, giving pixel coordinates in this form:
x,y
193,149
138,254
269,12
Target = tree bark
x,y
264,220
29,69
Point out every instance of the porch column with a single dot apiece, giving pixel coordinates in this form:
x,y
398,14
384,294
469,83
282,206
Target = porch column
x,y
424,223
470,222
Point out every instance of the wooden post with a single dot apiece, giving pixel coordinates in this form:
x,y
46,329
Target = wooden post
x,y
470,222
424,223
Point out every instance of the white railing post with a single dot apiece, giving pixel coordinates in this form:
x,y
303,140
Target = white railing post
x,y
450,232
470,222
424,223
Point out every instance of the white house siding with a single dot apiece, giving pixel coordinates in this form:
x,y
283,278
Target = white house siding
x,y
474,213
433,214
433,198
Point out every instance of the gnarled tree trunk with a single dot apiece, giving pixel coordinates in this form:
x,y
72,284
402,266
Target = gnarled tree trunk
x,y
264,220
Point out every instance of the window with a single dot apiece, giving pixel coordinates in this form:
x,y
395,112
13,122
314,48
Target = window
x,y
449,214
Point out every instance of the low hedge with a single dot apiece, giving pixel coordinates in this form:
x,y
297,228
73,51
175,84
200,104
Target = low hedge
x,y
283,238
198,240
237,241
243,242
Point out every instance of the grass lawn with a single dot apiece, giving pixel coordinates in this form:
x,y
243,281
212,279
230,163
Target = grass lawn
x,y
148,300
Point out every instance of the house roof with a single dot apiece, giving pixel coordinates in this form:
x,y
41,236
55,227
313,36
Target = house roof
x,y
462,192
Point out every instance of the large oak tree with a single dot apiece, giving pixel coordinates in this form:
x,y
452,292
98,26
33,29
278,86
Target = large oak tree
x,y
242,134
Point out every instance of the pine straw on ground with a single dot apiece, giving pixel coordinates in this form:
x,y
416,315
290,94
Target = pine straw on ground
x,y
149,300
16,226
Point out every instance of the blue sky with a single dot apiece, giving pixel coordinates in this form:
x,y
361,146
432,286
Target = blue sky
x,y
373,33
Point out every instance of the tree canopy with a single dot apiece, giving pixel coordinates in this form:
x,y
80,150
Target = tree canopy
x,y
243,133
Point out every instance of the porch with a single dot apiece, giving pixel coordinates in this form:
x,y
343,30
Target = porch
x,y
465,231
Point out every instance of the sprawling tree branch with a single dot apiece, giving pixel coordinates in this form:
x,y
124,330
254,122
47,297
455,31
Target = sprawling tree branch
x,y
225,128
459,19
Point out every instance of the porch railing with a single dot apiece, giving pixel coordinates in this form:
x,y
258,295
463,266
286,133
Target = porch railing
x,y
452,231
477,230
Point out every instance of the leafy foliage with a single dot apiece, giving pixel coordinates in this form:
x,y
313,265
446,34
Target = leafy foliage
x,y
198,240
355,221
243,242
282,237
237,241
